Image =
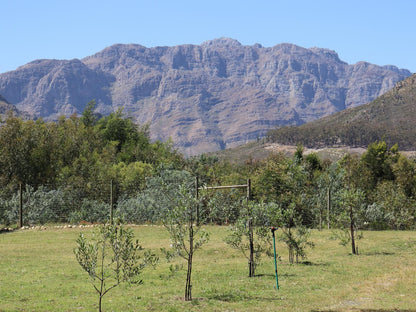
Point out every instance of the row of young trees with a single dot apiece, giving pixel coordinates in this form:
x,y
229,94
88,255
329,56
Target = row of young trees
x,y
289,193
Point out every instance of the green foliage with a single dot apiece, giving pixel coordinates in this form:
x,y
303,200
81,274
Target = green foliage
x,y
89,119
250,234
91,211
173,193
294,234
73,161
81,152
41,206
379,161
352,201
222,207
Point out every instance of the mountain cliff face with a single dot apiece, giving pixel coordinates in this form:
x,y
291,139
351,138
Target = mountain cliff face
x,y
205,97
6,107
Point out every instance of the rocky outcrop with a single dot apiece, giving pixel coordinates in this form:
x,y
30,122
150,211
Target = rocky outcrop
x,y
6,107
205,97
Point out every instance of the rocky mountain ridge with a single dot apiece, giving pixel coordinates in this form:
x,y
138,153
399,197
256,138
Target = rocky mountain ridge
x,y
205,97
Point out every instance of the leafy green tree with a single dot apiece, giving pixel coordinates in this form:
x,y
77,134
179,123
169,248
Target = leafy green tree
x,y
186,235
89,119
294,234
353,203
250,234
405,175
379,160
396,209
111,258
172,193
328,186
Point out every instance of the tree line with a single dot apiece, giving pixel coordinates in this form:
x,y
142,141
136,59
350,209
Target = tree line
x,y
80,155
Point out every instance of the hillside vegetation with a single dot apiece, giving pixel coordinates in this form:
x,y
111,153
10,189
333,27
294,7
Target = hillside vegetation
x,y
390,117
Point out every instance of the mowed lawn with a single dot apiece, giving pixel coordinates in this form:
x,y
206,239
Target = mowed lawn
x,y
39,272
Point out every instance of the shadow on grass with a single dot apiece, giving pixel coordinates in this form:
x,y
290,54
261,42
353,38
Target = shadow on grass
x,y
237,296
272,275
308,263
377,253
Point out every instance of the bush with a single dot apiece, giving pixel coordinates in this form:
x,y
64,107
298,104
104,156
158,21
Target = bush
x,y
137,210
39,207
91,211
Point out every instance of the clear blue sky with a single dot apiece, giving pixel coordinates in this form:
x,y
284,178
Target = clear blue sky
x,y
377,31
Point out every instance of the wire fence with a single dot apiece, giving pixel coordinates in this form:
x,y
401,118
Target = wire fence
x,y
90,203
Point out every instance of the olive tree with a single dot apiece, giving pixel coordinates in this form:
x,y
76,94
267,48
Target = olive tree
x,y
174,197
250,233
111,257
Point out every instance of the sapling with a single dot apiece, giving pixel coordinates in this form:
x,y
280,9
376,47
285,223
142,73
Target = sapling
x,y
111,257
186,236
250,233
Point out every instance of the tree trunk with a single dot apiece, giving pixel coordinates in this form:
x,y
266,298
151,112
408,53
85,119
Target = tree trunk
x,y
291,255
251,264
188,287
99,303
352,231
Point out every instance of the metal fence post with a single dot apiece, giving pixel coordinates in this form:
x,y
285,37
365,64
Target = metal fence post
x,y
20,205
111,202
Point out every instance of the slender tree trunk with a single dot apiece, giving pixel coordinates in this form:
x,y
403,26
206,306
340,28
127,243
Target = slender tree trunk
x,y
320,219
251,264
291,255
352,231
188,287
99,303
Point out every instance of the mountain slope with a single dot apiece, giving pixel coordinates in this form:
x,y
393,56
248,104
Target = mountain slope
x,y
205,97
6,107
390,117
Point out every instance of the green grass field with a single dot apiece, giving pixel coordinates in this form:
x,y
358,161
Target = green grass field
x,y
39,272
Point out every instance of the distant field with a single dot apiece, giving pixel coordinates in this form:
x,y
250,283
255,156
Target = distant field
x,y
39,272
259,151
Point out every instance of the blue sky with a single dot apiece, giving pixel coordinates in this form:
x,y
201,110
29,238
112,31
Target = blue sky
x,y
377,31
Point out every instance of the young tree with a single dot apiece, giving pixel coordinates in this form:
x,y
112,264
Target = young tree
x,y
352,202
110,258
251,233
173,195
294,233
186,235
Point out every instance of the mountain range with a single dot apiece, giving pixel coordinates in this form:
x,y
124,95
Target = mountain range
x,y
205,97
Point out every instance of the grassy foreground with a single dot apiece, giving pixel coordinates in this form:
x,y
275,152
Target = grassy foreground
x,y
39,272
